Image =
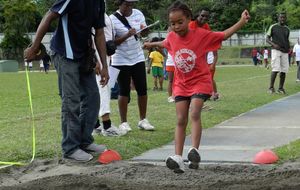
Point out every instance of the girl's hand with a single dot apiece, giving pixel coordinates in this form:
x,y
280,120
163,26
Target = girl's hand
x,y
245,16
147,45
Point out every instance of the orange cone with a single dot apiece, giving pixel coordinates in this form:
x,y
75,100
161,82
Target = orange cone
x,y
109,156
265,157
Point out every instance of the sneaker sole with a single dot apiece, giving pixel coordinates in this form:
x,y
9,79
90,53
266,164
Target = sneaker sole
x,y
171,164
72,160
142,128
194,159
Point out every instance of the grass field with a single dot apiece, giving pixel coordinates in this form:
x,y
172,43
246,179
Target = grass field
x,y
242,89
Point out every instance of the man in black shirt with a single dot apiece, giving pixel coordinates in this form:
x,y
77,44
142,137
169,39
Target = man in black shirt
x,y
78,89
278,38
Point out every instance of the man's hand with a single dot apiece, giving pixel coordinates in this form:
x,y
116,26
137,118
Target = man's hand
x,y
30,53
104,76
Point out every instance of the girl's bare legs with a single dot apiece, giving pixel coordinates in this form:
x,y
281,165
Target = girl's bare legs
x,y
182,109
195,116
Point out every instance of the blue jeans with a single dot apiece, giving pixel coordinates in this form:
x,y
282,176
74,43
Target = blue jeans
x,y
80,104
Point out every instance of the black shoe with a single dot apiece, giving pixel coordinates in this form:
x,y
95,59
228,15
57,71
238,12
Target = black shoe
x,y
271,91
281,91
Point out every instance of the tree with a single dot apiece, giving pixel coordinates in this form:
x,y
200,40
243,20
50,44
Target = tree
x,y
16,27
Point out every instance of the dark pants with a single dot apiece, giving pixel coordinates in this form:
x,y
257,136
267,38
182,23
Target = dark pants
x,y
80,104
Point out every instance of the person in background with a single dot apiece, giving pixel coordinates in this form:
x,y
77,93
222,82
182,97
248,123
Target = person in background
x,y
296,57
107,128
278,37
212,57
192,82
42,68
46,62
78,89
254,56
156,60
266,57
170,69
130,60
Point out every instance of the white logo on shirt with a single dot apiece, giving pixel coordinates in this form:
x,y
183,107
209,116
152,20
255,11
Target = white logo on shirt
x,y
185,60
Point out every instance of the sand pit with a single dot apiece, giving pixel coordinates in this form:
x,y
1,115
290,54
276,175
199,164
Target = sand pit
x,y
50,175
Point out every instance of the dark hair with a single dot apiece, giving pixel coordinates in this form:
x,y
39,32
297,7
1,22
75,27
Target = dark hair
x,y
155,39
119,2
180,6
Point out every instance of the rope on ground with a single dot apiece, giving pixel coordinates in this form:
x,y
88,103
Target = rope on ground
x,y
33,127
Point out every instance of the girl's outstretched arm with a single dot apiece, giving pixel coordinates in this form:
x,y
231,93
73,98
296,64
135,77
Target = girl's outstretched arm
x,y
148,45
244,19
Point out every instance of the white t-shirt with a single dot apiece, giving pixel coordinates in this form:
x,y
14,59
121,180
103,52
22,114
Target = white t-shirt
x,y
169,61
296,50
130,51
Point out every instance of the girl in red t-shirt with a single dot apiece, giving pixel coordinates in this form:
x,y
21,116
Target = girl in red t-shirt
x,y
192,82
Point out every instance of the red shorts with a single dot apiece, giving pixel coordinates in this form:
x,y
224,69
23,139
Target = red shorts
x,y
170,68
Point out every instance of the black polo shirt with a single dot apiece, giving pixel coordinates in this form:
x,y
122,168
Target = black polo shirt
x,y
280,36
77,18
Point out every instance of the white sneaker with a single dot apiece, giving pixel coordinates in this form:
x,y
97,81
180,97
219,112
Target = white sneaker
x,y
97,131
145,125
125,127
175,163
194,158
171,99
113,132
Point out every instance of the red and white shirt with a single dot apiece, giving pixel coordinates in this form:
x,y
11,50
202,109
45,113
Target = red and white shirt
x,y
192,75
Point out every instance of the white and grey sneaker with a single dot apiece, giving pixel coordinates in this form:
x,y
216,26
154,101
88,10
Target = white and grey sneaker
x,y
95,148
113,132
175,163
194,158
145,125
125,127
80,156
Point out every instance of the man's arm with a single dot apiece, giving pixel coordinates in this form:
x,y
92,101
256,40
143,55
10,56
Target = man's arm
x,y
101,48
30,53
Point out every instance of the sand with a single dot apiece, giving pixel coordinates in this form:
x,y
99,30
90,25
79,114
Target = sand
x,y
61,175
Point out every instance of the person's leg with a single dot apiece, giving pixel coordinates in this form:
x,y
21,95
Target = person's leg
x,y
90,103
195,116
155,76
124,80
275,65
69,91
182,109
284,67
140,82
161,77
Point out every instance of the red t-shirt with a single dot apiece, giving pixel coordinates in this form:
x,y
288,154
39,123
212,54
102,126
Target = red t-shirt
x,y
192,73
193,25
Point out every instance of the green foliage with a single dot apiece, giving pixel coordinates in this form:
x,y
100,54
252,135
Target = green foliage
x,y
16,27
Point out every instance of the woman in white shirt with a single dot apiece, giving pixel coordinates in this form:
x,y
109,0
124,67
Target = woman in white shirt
x,y
130,60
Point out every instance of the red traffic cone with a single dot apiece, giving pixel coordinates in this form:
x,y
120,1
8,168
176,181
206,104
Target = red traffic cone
x,y
109,156
265,157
